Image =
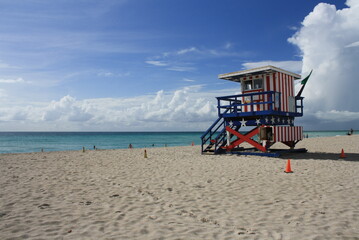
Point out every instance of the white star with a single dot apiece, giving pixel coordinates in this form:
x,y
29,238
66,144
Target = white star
x,y
292,121
231,123
258,121
288,120
273,120
266,119
243,123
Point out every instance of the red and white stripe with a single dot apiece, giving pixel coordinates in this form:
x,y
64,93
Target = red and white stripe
x,y
287,133
284,84
278,82
258,99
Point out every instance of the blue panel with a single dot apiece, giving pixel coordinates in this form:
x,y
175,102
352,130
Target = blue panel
x,y
267,120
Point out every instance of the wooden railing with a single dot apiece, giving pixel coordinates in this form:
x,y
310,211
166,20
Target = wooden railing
x,y
257,103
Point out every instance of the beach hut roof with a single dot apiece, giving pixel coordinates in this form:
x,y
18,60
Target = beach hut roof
x,y
235,76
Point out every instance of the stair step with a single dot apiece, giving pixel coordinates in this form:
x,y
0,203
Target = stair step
x,y
215,133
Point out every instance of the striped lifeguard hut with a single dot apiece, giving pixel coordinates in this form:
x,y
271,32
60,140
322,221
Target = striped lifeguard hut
x,y
268,105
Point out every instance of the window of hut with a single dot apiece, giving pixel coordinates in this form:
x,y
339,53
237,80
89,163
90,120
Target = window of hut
x,y
247,85
258,83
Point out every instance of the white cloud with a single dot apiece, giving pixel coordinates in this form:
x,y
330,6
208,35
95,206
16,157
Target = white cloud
x,y
228,45
188,108
181,69
185,60
187,50
294,28
293,66
157,63
67,109
354,44
17,80
112,74
178,67
105,74
188,80
327,39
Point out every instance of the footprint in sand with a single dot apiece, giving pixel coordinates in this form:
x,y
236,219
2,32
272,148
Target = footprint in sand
x,y
115,195
43,206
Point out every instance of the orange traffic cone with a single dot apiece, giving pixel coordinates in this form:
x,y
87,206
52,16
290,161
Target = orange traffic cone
x,y
342,155
288,169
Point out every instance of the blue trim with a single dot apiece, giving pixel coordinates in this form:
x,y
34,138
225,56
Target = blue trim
x,y
278,121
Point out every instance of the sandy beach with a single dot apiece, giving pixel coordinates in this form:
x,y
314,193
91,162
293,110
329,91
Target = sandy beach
x,y
177,193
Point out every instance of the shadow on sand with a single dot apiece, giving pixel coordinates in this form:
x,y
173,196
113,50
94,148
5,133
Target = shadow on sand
x,y
352,157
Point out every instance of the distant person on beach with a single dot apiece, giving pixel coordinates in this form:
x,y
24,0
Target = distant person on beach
x,y
351,131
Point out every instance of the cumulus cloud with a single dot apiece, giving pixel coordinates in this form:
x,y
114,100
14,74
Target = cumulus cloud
x,y
67,109
188,108
328,41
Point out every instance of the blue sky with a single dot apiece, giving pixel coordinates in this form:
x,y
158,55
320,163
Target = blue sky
x,y
153,64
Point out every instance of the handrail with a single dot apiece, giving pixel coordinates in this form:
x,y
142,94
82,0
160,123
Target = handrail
x,y
234,102
212,130
244,95
215,122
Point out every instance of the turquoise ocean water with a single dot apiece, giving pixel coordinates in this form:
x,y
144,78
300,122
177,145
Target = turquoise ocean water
x,y
17,142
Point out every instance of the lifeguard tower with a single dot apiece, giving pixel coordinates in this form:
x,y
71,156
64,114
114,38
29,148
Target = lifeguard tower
x,y
267,104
